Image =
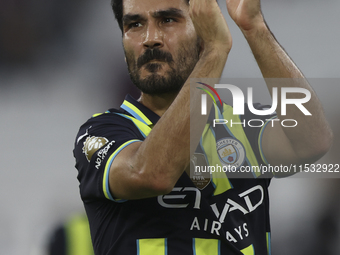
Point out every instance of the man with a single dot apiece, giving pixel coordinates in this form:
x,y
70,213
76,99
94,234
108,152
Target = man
x,y
134,162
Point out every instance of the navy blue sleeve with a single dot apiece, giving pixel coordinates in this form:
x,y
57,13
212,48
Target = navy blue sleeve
x,y
98,141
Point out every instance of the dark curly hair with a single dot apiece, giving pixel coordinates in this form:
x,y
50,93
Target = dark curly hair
x,y
117,7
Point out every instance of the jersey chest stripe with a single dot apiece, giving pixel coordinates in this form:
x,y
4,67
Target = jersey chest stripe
x,y
238,133
156,246
249,250
159,246
208,144
269,249
143,128
206,246
135,112
106,188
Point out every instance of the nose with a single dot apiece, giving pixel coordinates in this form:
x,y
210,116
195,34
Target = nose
x,y
154,37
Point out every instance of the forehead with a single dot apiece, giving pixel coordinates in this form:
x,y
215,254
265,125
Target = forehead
x,y
150,6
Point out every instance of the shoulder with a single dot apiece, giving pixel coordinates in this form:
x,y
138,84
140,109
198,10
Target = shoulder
x,y
102,128
104,122
110,117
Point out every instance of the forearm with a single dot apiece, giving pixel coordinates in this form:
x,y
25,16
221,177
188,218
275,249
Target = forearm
x,y
311,138
271,58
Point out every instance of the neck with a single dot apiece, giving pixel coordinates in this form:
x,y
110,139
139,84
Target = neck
x,y
157,103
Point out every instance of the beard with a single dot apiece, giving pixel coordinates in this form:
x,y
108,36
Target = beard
x,y
173,80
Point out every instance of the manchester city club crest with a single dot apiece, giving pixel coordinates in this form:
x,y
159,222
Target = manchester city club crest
x,y
231,152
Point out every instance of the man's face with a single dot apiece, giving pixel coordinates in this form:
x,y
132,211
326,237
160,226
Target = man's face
x,y
160,43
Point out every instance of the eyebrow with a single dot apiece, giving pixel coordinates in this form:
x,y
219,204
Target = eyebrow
x,y
128,18
171,12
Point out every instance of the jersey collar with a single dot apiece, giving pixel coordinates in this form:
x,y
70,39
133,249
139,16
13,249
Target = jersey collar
x,y
139,111
148,117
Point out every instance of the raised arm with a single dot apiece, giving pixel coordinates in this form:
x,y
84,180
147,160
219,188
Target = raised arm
x,y
312,137
152,167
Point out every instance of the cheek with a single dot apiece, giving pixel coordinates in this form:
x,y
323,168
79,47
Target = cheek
x,y
179,42
129,57
191,29
184,34
131,46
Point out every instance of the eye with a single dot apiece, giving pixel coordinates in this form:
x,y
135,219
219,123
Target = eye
x,y
168,20
135,24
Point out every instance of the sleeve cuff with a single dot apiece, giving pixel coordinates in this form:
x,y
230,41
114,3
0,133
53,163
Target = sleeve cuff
x,y
106,187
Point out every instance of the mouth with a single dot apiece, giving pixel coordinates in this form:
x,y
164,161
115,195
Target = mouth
x,y
154,56
153,67
155,61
